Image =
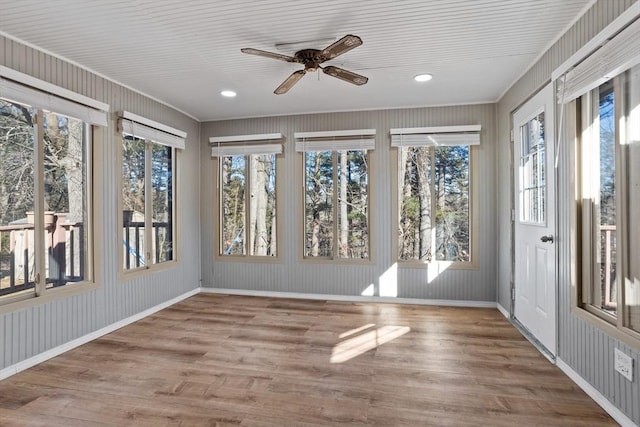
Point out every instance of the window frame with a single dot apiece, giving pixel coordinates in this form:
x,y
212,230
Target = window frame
x,y
217,209
441,265
583,270
124,273
301,173
41,293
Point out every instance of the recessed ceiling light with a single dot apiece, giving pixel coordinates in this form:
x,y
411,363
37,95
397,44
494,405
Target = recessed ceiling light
x,y
423,77
228,93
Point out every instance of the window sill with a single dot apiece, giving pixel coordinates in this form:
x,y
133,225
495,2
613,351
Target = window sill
x,y
14,304
126,275
250,259
627,336
439,265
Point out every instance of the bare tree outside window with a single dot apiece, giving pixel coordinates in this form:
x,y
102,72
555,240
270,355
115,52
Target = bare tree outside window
x,y
337,204
248,205
434,204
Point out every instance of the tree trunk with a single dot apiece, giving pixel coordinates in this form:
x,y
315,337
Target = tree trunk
x,y
259,205
424,193
343,245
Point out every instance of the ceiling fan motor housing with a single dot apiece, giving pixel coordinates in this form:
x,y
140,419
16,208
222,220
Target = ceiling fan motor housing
x,y
311,58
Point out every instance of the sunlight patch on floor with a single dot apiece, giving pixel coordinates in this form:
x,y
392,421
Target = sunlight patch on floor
x,y
360,344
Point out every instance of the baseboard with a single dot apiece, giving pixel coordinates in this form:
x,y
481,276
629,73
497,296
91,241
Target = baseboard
x,y
352,298
503,310
615,413
56,351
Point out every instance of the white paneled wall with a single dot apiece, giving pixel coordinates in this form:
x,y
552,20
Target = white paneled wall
x,y
295,275
585,348
30,331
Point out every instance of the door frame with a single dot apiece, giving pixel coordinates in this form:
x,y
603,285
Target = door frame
x,y
551,356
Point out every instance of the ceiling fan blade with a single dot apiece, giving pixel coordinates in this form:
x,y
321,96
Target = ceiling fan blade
x,y
347,76
341,46
289,82
266,54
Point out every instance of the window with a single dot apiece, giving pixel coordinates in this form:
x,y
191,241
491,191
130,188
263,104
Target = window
x,y
248,182
247,196
336,211
609,152
336,193
434,193
148,189
45,197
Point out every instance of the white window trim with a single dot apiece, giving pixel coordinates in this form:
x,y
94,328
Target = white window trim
x,y
143,128
446,136
246,145
339,140
610,53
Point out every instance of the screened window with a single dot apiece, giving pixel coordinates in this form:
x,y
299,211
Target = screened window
x,y
609,152
148,191
45,171
336,204
434,193
248,205
247,201
336,193
434,199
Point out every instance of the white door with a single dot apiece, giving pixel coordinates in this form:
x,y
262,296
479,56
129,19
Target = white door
x,y
535,248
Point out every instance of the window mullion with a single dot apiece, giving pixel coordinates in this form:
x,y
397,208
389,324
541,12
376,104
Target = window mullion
x,y
431,178
248,185
148,205
38,199
621,189
334,241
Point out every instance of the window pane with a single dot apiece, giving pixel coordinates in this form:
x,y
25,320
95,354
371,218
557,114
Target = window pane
x,y
65,199
632,281
263,205
605,216
451,176
233,205
532,171
353,207
133,193
17,262
415,222
162,199
318,204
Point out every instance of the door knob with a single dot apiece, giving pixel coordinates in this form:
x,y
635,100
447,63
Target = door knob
x,y
548,238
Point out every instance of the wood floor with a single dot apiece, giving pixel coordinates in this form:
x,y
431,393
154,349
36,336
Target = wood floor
x,y
216,360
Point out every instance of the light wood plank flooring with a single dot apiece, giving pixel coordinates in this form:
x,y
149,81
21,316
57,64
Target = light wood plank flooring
x,y
215,360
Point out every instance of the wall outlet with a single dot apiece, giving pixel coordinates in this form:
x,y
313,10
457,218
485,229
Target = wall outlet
x,y
623,364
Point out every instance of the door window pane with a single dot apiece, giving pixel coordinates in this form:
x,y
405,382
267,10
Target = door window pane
x,y
532,171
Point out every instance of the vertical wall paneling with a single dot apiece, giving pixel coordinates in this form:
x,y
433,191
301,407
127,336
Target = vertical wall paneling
x,y
294,275
585,348
33,330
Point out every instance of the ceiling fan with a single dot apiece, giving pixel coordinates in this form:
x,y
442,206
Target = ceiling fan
x,y
312,58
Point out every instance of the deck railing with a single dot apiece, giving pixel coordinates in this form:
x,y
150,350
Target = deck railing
x,y
133,241
64,261
608,266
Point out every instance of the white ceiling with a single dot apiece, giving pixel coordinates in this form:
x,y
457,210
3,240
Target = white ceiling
x,y
184,52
